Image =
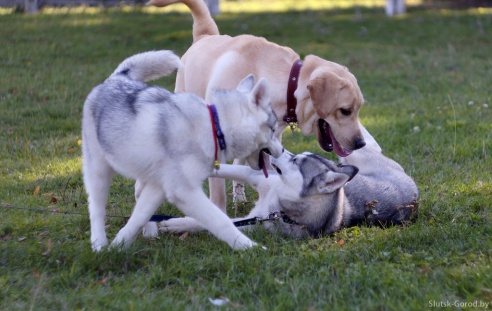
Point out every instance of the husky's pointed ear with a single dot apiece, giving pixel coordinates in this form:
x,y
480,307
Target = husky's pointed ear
x,y
331,182
261,93
246,84
349,170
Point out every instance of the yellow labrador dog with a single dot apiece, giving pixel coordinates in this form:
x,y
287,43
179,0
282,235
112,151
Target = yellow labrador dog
x,y
316,95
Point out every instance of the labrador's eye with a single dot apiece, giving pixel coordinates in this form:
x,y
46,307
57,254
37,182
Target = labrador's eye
x,y
345,112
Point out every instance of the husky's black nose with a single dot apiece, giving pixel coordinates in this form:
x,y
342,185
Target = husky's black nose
x,y
359,143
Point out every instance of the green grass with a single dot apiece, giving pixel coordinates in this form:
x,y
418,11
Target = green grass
x,y
426,77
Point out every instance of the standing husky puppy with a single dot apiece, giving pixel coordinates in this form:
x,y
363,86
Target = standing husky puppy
x,y
302,92
314,197
166,141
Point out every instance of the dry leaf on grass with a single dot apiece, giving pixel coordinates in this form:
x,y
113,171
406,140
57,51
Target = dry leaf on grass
x,y
36,191
36,274
183,236
48,250
103,281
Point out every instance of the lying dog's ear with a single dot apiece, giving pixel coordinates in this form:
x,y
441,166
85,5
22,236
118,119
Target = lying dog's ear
x,y
246,84
331,181
349,170
261,94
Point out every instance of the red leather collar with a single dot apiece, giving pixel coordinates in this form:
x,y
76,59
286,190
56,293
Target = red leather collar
x,y
290,117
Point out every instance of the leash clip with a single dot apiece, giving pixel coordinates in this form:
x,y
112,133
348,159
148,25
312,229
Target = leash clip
x,y
274,216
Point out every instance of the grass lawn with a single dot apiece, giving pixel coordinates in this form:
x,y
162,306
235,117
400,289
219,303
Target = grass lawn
x,y
426,77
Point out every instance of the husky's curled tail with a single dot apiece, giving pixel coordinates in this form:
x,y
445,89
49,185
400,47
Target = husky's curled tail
x,y
149,66
203,23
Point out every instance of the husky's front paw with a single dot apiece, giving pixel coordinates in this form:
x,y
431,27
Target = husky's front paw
x,y
124,238
238,193
150,230
243,242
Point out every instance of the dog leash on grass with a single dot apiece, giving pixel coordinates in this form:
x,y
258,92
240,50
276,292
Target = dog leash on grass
x,y
55,211
273,216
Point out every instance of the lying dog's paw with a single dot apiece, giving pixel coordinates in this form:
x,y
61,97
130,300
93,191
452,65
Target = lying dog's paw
x,y
238,193
179,225
150,230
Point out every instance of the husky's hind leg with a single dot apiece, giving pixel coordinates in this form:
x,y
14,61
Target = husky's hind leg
x,y
97,180
149,200
150,230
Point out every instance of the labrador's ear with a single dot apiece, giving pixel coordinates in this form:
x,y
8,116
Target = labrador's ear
x,y
246,84
324,89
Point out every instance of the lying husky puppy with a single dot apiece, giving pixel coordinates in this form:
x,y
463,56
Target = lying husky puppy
x,y
302,92
314,197
169,142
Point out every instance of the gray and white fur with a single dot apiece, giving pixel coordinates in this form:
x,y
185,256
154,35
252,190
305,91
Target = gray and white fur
x,y
321,197
165,141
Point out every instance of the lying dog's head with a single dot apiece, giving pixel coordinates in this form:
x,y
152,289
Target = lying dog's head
x,y
336,100
262,125
310,187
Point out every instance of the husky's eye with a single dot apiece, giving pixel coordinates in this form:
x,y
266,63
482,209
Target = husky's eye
x,y
345,112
